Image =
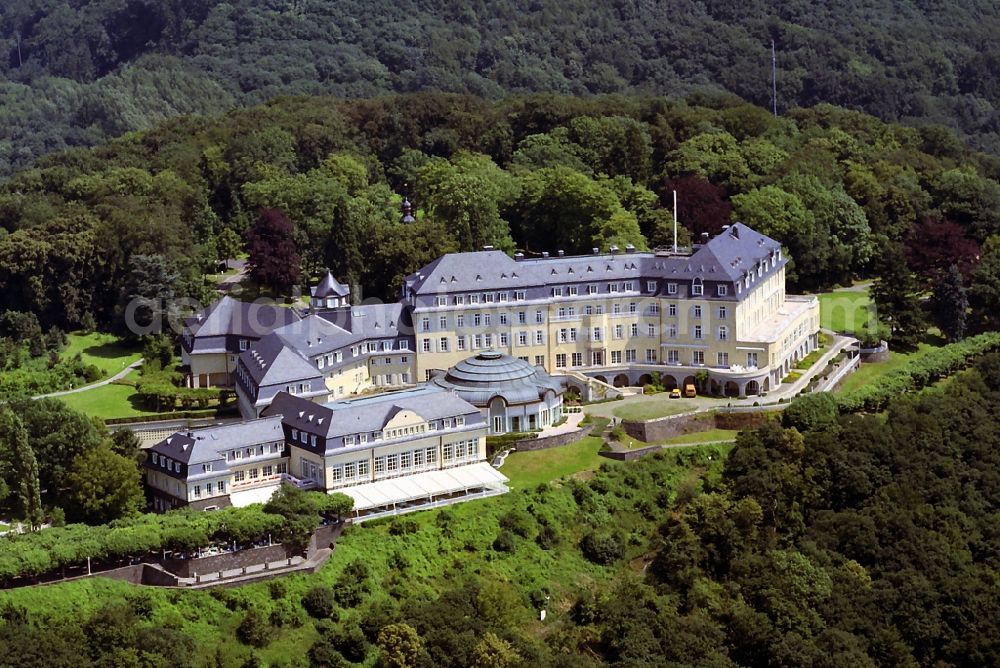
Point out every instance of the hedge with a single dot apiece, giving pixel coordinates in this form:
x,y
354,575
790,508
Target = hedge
x,y
918,373
144,536
177,415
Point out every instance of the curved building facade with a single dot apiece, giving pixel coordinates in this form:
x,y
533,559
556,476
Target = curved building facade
x,y
512,394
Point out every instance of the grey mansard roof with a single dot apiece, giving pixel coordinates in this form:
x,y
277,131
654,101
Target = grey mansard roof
x,y
200,446
369,414
493,374
232,317
726,257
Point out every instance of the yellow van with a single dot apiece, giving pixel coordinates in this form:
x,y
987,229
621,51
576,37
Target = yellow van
x,y
689,391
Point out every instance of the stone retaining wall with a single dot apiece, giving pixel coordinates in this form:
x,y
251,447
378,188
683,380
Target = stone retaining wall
x,y
554,441
880,354
629,455
673,426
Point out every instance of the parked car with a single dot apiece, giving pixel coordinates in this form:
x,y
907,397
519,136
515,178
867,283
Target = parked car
x,y
675,393
690,391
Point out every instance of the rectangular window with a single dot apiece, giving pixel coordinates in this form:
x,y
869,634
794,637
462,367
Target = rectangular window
x,y
650,330
629,286
634,329
697,288
557,292
577,359
443,344
504,342
443,322
723,333
630,355
573,290
698,357
487,319
206,467
379,465
539,317
616,357
633,307
522,317
473,299
616,309
619,331
208,488
591,289
239,476
752,360
254,474
597,357
522,338
488,340
477,319
697,331
425,325
519,295
489,297
503,318
458,300
650,354
539,360
197,491
673,357
560,360
671,331
459,321
671,288
723,313
723,359
696,311
650,286
672,310
503,296
477,341
426,345
267,471
613,287
597,334
722,290
460,341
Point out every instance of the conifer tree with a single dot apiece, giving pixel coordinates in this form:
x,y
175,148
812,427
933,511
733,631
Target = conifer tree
x,y
950,304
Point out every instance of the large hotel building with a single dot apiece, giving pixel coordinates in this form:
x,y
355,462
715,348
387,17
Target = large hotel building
x,y
715,316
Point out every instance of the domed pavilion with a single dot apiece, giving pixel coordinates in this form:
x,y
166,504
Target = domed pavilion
x,y
512,394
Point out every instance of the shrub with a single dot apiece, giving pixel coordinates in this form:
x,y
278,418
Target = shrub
x,y
254,629
350,641
547,538
517,521
602,548
319,602
505,542
285,615
401,527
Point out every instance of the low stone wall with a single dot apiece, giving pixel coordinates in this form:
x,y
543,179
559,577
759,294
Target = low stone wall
x,y
880,354
630,455
554,441
188,568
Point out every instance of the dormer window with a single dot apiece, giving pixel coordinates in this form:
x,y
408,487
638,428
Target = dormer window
x,y
671,288
697,288
244,345
722,290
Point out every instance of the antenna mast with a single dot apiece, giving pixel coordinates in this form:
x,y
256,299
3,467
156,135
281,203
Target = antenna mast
x,y
675,222
774,81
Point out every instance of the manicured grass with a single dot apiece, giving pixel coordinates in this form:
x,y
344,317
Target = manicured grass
x,y
704,436
810,359
650,410
868,373
106,351
108,401
843,311
528,469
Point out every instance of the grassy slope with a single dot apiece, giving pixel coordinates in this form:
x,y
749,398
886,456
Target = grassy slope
x,y
436,558
843,311
107,401
649,410
105,351
868,373
528,469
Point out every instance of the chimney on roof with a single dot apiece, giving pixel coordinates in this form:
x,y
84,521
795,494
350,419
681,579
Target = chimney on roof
x,y
613,249
487,247
519,256
735,231
545,254
725,228
704,237
629,248
560,252
597,251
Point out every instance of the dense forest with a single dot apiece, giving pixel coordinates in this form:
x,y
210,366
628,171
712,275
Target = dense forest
x,y
74,72
86,231
821,540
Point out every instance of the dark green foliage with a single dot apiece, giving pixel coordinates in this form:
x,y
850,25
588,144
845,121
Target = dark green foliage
x,y
950,304
319,602
505,541
811,412
273,257
602,547
352,586
896,296
548,537
254,630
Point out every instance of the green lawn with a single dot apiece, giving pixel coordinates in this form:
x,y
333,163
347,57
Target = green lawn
x,y
662,406
703,436
108,401
528,469
868,373
105,351
843,311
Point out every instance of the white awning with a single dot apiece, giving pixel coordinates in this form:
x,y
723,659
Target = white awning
x,y
424,485
247,497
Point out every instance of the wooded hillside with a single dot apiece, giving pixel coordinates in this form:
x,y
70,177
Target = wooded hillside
x,y
74,72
